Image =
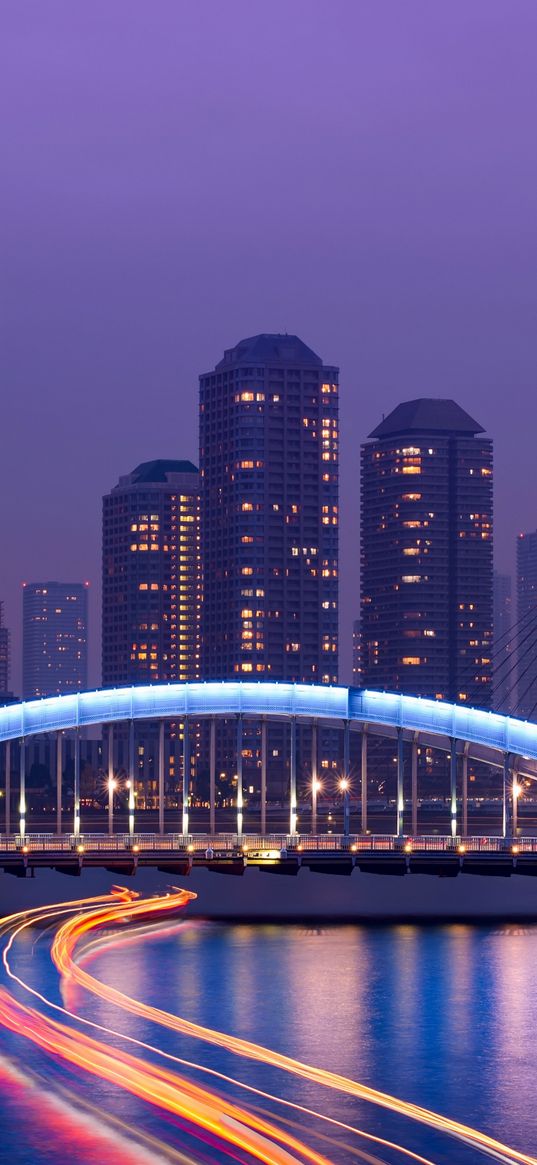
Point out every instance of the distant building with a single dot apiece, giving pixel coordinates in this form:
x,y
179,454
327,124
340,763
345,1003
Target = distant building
x,y
426,566
4,657
504,681
526,704
55,639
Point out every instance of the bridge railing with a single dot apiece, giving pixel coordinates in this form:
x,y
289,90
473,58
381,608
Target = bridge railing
x,y
250,844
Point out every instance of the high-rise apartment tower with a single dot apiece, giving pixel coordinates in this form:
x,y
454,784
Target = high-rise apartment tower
x,y
151,576
55,639
426,556
269,453
504,681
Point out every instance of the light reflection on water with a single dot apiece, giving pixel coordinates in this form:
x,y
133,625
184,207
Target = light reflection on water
x,y
444,1016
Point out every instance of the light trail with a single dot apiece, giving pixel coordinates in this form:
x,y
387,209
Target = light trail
x,y
63,949
416,1157
211,1114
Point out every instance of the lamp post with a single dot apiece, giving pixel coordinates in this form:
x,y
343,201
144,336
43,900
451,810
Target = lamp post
x,y
111,787
344,787
315,789
516,791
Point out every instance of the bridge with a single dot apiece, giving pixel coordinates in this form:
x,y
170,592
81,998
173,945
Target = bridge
x,y
506,744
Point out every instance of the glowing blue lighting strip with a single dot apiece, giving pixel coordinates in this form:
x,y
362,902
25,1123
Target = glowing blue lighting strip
x,y
173,701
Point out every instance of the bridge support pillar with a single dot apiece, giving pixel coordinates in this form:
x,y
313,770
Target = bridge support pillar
x,y
76,785
111,782
314,775
22,788
400,796
130,782
363,779
346,778
453,787
505,794
240,797
59,782
186,776
212,777
161,778
263,777
7,790
292,778
465,752
414,784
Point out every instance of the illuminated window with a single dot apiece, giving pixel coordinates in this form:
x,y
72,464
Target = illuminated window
x,y
411,468
411,550
411,578
411,660
410,497
247,506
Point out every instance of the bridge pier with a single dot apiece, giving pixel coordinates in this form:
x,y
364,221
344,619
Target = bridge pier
x,y
240,799
8,786
22,788
292,778
59,782
76,785
161,778
212,777
400,794
314,775
363,778
130,782
186,775
465,752
111,779
414,783
506,774
263,777
453,786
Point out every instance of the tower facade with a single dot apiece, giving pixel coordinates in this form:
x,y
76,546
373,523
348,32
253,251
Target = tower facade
x,y
4,656
526,703
55,639
151,576
504,682
269,455
426,556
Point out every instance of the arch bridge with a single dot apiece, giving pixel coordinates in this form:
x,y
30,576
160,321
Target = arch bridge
x,y
506,744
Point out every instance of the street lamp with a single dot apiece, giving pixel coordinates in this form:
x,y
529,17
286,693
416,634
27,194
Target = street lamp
x,y
130,787
111,787
315,789
517,792
344,788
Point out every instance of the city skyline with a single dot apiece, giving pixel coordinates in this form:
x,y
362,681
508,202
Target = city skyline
x,y
130,276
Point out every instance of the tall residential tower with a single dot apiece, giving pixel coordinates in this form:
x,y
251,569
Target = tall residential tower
x,y
269,453
151,576
426,566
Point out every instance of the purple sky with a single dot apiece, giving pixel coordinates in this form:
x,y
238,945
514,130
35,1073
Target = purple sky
x,y
177,175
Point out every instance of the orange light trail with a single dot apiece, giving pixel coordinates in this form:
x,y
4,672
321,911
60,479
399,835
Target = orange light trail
x,y
416,1157
63,949
208,1112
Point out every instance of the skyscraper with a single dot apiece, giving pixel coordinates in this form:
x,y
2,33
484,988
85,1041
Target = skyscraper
x,y
55,639
151,576
504,681
4,656
151,602
269,452
269,455
526,704
426,566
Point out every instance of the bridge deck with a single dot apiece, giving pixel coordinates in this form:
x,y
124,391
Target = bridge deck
x,y
277,854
